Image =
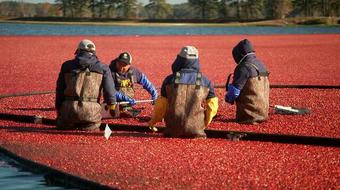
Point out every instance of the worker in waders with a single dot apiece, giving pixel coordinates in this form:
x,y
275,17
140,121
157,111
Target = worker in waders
x,y
250,85
188,101
125,76
79,86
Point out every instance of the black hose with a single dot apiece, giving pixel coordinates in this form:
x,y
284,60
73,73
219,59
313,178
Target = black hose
x,y
215,86
25,94
231,135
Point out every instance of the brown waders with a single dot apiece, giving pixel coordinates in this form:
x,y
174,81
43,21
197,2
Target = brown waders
x,y
81,108
126,87
185,114
252,106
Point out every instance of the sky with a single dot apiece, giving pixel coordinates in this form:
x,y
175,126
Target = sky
x,y
143,1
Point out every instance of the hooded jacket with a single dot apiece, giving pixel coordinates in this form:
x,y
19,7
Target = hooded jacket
x,y
250,86
188,69
244,53
182,95
82,61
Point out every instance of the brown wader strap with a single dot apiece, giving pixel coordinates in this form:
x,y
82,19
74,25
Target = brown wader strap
x,y
178,77
131,77
118,80
81,95
198,81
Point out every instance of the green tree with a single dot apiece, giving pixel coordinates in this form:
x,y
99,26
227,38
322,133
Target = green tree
x,y
223,8
63,6
278,9
158,9
327,7
205,6
92,6
252,9
303,7
128,8
110,6
237,4
185,11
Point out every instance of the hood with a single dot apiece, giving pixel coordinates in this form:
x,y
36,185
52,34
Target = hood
x,y
86,59
242,49
183,63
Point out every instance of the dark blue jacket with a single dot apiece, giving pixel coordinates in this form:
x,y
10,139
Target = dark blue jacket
x,y
244,54
82,61
188,69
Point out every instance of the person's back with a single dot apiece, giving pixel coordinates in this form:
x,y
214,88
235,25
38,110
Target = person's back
x,y
250,86
184,92
79,88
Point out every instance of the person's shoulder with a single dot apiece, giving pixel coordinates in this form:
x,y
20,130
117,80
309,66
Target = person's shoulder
x,y
243,68
104,66
135,69
206,81
68,65
69,62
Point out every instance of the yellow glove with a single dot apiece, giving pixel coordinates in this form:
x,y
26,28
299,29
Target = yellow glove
x,y
160,108
210,112
112,109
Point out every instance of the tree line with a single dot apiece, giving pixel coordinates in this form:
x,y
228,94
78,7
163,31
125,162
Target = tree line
x,y
160,9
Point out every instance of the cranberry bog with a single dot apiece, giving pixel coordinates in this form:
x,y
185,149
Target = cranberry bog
x,y
146,160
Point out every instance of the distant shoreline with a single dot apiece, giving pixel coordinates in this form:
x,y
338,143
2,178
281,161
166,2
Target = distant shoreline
x,y
315,21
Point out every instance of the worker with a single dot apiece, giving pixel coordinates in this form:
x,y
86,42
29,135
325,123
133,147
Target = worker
x,y
182,95
78,91
250,85
125,77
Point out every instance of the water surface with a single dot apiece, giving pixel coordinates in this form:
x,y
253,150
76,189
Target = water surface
x,y
73,30
12,177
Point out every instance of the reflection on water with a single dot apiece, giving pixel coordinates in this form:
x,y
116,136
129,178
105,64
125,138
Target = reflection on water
x,y
14,178
59,29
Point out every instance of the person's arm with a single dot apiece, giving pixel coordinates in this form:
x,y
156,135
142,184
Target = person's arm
x,y
108,87
121,97
241,76
211,110
60,87
161,105
212,105
148,86
159,111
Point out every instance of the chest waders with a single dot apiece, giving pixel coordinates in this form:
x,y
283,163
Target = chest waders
x,y
185,114
125,85
81,108
252,106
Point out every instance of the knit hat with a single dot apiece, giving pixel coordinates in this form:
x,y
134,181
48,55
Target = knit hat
x,y
189,52
87,45
125,57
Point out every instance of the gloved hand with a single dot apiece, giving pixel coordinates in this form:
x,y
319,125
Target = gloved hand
x,y
232,94
132,101
154,98
226,99
121,97
112,109
147,85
